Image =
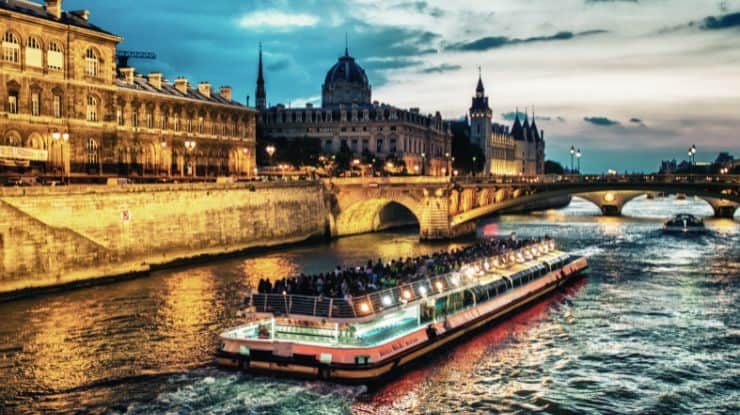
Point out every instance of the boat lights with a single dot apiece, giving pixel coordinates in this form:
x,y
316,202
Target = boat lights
x,y
439,286
364,308
406,294
487,265
422,290
512,257
387,301
495,262
470,272
552,245
455,279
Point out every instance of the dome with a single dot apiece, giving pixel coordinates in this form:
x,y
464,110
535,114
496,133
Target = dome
x,y
345,83
346,70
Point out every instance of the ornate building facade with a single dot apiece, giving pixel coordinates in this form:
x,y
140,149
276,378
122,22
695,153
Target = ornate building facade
x,y
509,152
68,109
348,117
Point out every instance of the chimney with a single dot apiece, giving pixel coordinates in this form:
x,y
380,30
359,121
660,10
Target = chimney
x,y
205,89
82,14
181,84
226,93
128,74
155,80
54,8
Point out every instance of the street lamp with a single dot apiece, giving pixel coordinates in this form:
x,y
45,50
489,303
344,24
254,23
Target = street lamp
x,y
449,166
270,149
423,163
578,156
473,169
572,152
190,146
692,154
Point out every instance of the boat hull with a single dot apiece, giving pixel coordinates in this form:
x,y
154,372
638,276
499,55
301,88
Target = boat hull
x,y
268,363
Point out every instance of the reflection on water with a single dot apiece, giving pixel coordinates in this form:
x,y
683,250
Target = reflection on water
x,y
654,329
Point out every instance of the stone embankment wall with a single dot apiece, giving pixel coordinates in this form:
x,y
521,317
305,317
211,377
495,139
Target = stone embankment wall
x,y
52,236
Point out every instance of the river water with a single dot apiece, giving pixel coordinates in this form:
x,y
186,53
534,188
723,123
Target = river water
x,y
653,328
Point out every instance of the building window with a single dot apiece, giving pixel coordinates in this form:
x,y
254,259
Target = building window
x,y
57,104
55,57
91,63
13,103
11,48
92,108
328,146
354,146
189,125
177,124
393,145
119,116
35,104
135,119
34,54
379,145
365,145
149,119
92,152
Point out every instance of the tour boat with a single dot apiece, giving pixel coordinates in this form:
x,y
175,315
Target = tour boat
x,y
684,223
364,338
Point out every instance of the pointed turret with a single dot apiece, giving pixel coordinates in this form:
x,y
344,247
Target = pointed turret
x,y
260,95
516,130
535,130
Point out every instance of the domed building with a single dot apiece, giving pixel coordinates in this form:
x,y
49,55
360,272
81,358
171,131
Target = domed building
x,y
345,83
348,119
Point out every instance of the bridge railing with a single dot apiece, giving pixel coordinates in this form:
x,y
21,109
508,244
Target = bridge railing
x,y
602,179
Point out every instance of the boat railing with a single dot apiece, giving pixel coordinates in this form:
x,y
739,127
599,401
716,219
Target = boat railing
x,y
388,298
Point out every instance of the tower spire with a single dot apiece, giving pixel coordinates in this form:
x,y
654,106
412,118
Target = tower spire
x,y
260,95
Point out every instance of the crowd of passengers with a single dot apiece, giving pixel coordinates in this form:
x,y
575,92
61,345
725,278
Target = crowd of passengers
x,y
352,281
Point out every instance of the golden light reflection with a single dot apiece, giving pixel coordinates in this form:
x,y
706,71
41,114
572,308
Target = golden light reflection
x,y
271,267
610,225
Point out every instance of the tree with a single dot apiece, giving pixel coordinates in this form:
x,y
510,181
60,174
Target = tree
x,y
343,158
553,167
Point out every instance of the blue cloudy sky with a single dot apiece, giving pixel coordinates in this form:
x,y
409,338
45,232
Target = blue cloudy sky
x,y
627,81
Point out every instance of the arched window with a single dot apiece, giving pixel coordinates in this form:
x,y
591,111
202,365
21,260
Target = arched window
x,y
91,63
34,54
11,48
12,139
92,152
57,104
35,103
55,57
92,108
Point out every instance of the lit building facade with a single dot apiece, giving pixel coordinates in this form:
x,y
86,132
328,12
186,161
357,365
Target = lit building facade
x,y
348,117
68,109
519,150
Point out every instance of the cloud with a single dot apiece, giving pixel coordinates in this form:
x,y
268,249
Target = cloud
x,y
422,7
278,65
610,1
726,21
637,121
601,121
276,19
445,67
494,42
510,116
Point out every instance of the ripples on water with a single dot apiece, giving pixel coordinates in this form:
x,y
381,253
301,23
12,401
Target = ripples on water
x,y
654,329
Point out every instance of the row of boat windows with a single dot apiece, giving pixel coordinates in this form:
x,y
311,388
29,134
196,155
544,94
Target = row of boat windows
x,y
429,312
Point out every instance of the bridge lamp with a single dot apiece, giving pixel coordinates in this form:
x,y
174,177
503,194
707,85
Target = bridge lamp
x,y
609,197
163,144
416,168
387,301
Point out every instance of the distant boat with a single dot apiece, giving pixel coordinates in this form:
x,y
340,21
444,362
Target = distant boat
x,y
650,196
684,223
680,196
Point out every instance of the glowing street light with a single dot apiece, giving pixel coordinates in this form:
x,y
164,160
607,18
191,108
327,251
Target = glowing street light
x,y
572,153
270,149
578,156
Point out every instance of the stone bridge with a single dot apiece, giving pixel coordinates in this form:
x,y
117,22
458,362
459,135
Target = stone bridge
x,y
445,207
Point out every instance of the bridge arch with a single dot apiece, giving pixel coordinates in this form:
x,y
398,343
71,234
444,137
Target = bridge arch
x,y
375,215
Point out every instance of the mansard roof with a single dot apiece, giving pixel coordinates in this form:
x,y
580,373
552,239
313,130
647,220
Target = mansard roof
x,y
141,84
38,10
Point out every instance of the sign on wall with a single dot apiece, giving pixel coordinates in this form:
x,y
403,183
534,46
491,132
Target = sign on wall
x,y
23,153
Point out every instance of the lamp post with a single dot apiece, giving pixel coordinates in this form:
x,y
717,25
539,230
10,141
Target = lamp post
x,y
578,156
270,149
64,137
449,166
572,153
246,161
692,150
190,146
474,167
423,163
